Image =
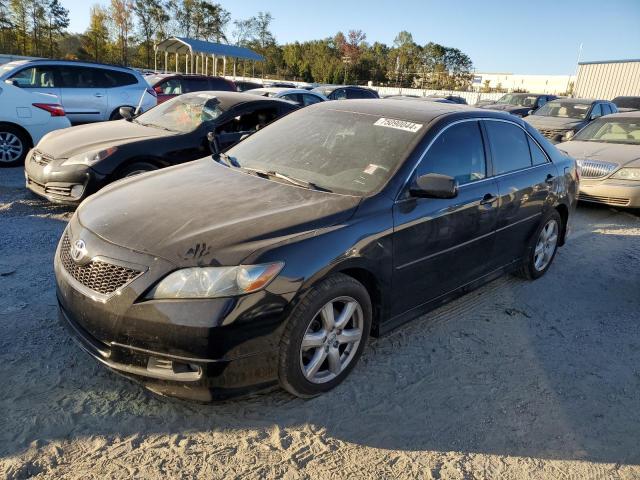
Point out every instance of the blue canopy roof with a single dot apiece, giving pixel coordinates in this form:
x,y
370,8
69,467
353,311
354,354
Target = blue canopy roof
x,y
190,46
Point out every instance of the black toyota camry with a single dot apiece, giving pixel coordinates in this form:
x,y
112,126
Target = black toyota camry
x,y
274,262
69,165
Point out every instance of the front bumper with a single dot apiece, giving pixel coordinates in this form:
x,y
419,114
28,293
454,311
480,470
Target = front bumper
x,y
204,349
67,185
617,193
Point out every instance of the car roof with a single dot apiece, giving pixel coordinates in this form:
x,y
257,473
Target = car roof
x,y
331,88
423,112
280,90
578,100
228,100
631,114
86,63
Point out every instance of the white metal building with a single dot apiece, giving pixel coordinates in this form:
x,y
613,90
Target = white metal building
x,y
553,84
608,79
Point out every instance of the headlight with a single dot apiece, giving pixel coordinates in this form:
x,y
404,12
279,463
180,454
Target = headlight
x,y
568,135
627,174
90,158
212,282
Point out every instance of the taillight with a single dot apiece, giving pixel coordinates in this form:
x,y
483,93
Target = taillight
x,y
53,108
152,92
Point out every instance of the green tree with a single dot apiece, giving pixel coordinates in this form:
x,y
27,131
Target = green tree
x,y
57,24
152,18
96,39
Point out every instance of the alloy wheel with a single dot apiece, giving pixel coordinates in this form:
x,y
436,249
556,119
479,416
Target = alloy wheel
x,y
10,147
331,339
546,245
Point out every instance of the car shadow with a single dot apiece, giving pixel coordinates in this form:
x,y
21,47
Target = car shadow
x,y
545,369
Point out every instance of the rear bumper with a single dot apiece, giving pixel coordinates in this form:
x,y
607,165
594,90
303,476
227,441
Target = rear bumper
x,y
611,192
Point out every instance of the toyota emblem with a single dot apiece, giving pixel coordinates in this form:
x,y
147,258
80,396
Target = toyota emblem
x,y
78,251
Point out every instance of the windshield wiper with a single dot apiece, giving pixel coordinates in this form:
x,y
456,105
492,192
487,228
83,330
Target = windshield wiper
x,y
288,178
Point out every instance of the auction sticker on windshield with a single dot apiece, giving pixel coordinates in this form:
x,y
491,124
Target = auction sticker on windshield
x,y
398,124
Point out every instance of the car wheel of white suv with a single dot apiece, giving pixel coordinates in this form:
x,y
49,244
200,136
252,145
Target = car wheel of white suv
x,y
14,146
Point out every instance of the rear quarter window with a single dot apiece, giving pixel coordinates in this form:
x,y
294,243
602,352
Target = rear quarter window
x,y
115,78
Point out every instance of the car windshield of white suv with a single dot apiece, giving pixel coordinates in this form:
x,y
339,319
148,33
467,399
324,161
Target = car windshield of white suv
x,y
182,114
338,151
620,130
561,109
518,100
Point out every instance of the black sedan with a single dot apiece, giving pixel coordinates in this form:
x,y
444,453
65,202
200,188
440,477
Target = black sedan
x,y
69,165
345,92
274,262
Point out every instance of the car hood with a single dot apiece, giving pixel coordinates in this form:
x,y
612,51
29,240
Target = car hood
x,y
541,121
83,138
203,213
623,155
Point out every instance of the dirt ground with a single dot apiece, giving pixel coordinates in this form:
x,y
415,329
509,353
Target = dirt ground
x,y
515,380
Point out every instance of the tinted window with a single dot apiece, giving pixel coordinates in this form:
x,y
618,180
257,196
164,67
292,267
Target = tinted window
x,y
537,155
597,111
308,99
195,84
220,84
606,109
36,77
340,94
458,152
114,78
293,97
79,77
171,86
613,108
249,121
509,147
542,101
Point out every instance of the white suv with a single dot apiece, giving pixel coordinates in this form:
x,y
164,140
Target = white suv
x,y
89,92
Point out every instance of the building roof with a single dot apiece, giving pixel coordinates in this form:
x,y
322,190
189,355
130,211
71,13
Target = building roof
x,y
184,45
610,61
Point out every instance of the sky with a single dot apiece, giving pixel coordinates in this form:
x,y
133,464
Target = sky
x,y
517,36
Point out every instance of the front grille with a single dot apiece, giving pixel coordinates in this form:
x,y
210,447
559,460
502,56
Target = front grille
x,y
99,276
41,158
50,189
552,133
623,202
595,169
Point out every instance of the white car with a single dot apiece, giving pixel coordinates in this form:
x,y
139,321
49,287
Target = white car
x,y
297,95
89,92
26,117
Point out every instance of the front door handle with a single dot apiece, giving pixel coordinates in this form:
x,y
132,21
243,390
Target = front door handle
x,y
99,95
488,199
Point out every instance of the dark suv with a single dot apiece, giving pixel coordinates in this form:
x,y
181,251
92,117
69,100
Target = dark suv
x,y
561,119
168,86
520,104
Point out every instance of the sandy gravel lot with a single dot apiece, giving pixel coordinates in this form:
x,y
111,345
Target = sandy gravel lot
x,y
516,380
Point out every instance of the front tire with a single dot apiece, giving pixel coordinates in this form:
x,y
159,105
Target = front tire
x,y
324,336
14,146
542,247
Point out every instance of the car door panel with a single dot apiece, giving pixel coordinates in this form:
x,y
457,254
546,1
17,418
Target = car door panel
x,y
442,244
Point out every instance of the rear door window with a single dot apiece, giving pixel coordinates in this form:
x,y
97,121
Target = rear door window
x,y
309,99
79,77
114,78
509,147
596,111
458,152
340,94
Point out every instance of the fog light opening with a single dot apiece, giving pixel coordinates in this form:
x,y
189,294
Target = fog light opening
x,y
76,191
172,369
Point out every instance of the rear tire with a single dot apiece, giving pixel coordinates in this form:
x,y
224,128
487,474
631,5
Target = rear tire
x,y
14,146
136,169
324,336
542,247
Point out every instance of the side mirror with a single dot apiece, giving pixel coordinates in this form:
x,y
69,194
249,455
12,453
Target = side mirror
x,y
126,113
212,138
12,82
530,112
434,185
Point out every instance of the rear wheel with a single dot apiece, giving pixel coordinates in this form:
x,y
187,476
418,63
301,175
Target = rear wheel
x,y
14,146
325,336
136,169
542,247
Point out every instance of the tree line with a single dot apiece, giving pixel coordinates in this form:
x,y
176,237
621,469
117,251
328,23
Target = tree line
x,y
125,31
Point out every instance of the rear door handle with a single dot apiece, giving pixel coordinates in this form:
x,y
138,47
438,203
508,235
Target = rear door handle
x,y
488,199
99,95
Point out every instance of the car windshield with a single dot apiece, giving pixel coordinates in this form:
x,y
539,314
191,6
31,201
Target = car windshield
x,y
518,100
341,151
7,67
154,79
182,114
561,109
618,130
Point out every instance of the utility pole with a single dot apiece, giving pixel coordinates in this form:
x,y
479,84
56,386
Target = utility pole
x,y
575,83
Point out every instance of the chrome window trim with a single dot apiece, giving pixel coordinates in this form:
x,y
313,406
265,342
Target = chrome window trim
x,y
491,177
